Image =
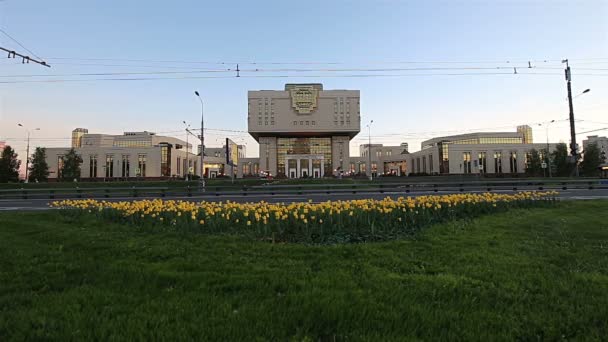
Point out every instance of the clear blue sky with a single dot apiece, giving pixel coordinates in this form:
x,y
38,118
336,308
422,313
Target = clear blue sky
x,y
361,34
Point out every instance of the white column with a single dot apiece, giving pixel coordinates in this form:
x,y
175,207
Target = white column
x,y
322,168
310,167
298,173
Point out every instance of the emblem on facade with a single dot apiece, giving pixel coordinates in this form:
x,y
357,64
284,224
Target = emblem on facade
x,y
304,99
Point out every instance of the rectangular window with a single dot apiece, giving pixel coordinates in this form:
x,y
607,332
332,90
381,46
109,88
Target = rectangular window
x,y
295,123
513,162
141,165
466,162
179,165
418,165
125,165
313,123
93,166
301,123
482,162
424,164
165,160
430,163
109,165
59,166
497,162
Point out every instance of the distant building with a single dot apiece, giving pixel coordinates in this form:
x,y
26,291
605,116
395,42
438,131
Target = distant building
x,y
526,132
601,142
303,130
77,136
475,153
140,155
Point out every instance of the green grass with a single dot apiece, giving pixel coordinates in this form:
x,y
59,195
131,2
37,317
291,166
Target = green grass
x,y
538,274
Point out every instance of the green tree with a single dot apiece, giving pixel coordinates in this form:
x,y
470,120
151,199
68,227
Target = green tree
x,y
39,169
9,165
533,165
562,167
592,159
71,166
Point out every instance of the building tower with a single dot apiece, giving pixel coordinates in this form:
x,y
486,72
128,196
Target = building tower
x,y
77,136
526,132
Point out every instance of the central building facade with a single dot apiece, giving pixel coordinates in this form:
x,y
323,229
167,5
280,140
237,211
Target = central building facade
x,y
303,130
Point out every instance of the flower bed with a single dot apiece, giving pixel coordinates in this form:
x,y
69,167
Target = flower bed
x,y
327,222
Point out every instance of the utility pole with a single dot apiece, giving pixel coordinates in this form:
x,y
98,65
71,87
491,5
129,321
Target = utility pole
x,y
202,181
369,150
25,60
27,153
573,145
187,153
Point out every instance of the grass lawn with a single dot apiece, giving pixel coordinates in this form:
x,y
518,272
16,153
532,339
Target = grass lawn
x,y
539,274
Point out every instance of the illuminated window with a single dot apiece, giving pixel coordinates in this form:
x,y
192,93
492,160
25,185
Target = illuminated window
x,y
141,165
497,162
513,162
109,165
482,162
93,166
125,165
466,162
165,161
317,146
59,166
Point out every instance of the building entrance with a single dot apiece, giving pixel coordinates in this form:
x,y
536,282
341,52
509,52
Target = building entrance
x,y
304,165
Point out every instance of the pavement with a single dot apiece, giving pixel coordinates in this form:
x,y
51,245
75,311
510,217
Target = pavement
x,y
42,204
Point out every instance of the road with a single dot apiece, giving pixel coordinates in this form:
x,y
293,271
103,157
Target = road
x,y
42,204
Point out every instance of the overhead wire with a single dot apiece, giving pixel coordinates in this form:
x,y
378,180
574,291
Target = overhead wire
x,y
21,45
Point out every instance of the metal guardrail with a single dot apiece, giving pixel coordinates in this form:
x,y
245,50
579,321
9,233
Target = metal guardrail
x,y
300,189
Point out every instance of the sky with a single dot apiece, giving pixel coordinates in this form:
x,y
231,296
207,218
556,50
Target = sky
x,y
467,51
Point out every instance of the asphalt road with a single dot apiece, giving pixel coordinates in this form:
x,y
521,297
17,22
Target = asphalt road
x,y
42,204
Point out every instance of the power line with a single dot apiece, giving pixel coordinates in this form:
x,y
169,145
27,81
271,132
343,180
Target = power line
x,y
24,59
22,46
291,76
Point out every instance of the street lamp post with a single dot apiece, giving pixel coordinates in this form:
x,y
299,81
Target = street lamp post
x,y
547,136
187,156
369,148
27,153
202,181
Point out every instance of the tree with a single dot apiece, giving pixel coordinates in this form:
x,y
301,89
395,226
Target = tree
x,y
562,167
71,166
592,159
39,169
533,166
9,165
